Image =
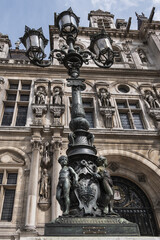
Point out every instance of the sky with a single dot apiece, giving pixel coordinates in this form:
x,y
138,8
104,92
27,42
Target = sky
x,y
15,14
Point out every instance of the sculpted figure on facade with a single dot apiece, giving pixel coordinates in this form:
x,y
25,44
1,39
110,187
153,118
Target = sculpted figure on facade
x,y
40,95
57,96
44,191
150,100
106,108
65,184
142,56
104,98
46,160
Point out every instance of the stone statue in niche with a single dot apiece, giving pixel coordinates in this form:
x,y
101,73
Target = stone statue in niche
x,y
46,160
150,100
106,109
57,96
104,98
142,56
40,95
44,191
64,184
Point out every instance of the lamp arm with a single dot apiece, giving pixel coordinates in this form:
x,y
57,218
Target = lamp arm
x,y
37,63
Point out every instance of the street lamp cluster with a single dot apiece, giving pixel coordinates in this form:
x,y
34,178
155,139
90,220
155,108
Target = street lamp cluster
x,y
100,49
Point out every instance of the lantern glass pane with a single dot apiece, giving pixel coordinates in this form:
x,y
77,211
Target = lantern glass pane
x,y
34,41
96,49
64,20
108,43
101,44
28,43
41,43
73,21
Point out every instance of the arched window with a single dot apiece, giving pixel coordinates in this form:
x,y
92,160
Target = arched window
x,y
117,55
131,203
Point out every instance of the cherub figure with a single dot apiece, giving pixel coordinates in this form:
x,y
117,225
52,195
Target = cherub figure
x,y
64,184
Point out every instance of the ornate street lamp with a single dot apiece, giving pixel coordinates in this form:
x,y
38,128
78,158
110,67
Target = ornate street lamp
x,y
83,190
67,22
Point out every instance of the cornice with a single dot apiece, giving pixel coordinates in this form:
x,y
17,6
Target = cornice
x,y
33,71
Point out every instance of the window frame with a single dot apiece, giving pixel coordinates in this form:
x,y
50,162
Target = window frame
x,y
130,111
19,91
6,186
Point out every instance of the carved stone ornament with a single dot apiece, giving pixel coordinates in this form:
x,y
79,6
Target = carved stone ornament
x,y
150,100
90,191
39,110
44,190
40,95
46,156
106,108
57,107
142,56
57,112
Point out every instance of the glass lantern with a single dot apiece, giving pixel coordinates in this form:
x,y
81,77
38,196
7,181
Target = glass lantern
x,y
102,48
35,42
67,22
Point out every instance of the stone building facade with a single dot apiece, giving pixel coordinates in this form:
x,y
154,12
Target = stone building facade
x,y
122,105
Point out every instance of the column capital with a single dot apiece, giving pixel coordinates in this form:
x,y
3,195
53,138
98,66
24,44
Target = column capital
x,y
56,143
36,142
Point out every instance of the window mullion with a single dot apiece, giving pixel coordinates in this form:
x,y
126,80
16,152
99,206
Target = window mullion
x,y
14,114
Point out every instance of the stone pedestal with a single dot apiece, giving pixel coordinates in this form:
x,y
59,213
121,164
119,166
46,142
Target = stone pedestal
x,y
91,226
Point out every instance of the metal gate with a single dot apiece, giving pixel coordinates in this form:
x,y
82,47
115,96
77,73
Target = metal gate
x,y
131,203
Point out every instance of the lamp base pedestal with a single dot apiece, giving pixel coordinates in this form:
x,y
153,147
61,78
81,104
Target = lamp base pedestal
x,y
91,226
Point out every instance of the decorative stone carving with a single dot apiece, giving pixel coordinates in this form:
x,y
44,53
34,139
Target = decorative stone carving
x,y
40,95
113,166
142,56
127,52
46,158
57,96
39,105
152,105
106,108
57,106
44,190
91,187
150,100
